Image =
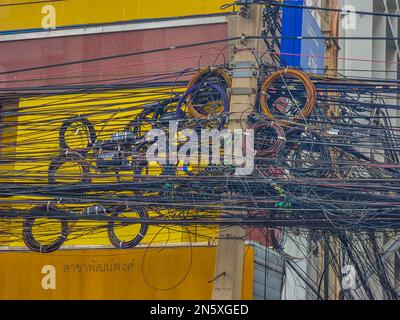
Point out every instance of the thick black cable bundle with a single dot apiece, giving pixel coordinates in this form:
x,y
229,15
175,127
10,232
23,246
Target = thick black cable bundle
x,y
73,160
319,167
153,115
40,212
87,127
269,138
136,239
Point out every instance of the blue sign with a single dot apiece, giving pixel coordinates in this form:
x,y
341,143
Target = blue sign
x,y
307,54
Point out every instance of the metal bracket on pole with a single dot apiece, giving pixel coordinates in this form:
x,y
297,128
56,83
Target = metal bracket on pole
x,y
244,10
242,65
244,69
245,73
241,91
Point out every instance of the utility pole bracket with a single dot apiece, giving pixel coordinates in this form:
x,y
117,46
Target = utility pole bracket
x,y
243,69
241,91
242,65
246,73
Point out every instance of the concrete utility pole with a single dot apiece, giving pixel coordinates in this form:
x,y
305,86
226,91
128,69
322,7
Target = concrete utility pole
x,y
330,28
230,252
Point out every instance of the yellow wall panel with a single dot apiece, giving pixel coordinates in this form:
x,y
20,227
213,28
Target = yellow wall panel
x,y
80,12
37,137
140,273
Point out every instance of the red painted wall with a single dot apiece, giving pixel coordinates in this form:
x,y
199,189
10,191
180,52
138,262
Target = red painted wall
x,y
39,52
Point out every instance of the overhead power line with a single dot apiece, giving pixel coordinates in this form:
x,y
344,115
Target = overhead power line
x,y
28,3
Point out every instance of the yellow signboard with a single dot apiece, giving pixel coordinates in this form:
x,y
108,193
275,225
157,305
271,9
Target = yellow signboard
x,y
81,12
140,273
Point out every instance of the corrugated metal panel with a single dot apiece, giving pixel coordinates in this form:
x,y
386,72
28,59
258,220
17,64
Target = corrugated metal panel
x,y
268,274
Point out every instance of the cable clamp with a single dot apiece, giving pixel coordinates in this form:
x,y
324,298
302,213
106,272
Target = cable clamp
x,y
243,39
241,91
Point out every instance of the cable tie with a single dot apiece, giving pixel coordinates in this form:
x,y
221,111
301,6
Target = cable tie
x,y
141,235
48,205
41,246
120,244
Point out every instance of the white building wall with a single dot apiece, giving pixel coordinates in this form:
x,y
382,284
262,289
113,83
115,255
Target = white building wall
x,y
377,59
363,59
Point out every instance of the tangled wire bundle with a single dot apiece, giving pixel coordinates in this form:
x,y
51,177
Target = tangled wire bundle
x,y
275,100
